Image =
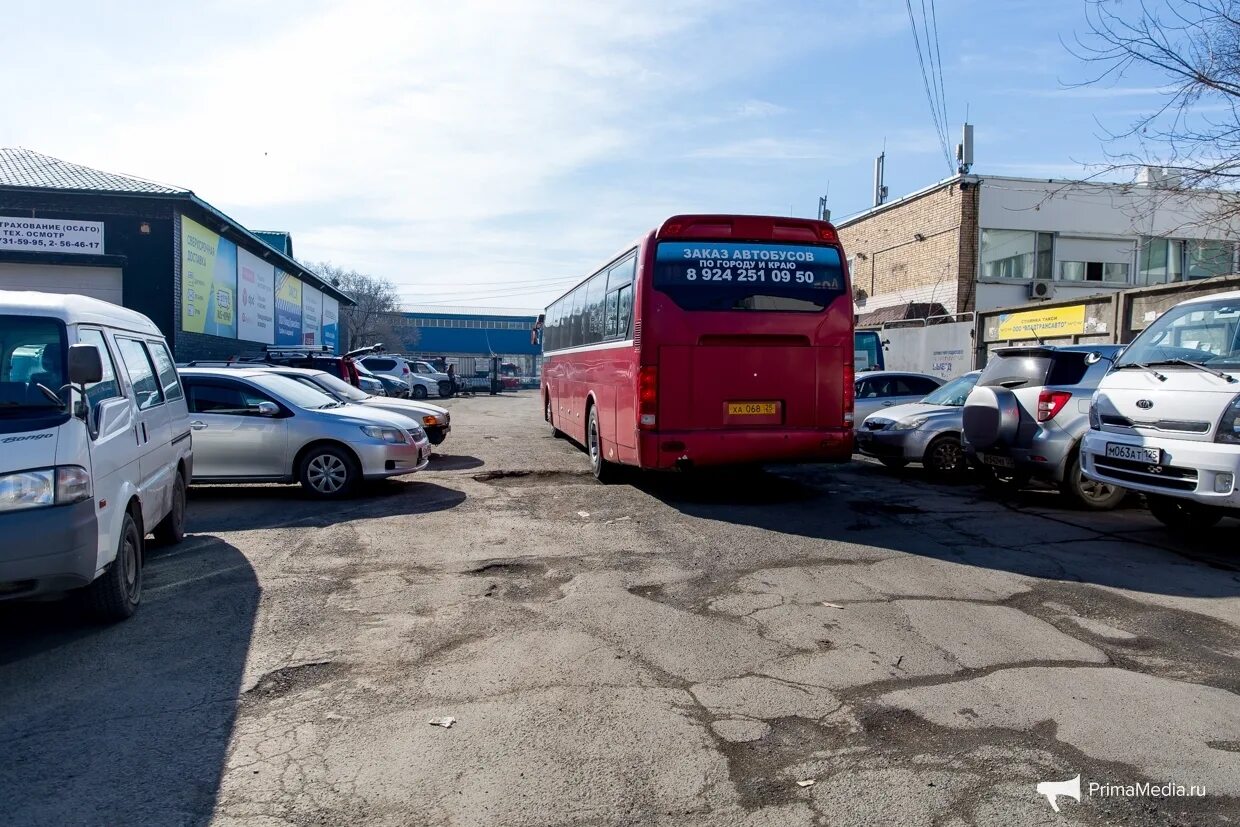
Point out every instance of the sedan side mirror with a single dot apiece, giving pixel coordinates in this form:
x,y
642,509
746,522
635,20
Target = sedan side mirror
x,y
268,409
85,365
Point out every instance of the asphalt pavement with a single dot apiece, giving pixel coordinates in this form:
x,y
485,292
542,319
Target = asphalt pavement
x,y
796,646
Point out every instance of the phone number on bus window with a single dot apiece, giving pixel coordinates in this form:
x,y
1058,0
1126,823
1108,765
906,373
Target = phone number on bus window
x,y
708,273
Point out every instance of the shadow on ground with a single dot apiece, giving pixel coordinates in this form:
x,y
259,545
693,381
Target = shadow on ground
x,y
129,723
1031,532
215,508
451,462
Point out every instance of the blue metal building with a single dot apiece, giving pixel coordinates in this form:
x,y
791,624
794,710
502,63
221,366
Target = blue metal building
x,y
465,336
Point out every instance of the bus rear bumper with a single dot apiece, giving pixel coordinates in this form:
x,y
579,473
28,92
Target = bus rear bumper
x,y
677,449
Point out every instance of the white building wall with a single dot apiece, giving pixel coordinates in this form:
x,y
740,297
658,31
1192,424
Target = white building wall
x,y
1109,217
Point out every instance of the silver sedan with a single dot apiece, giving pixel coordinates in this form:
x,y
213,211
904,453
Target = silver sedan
x,y
256,426
927,431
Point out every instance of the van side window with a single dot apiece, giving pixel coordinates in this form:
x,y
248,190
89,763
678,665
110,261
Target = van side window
x,y
141,373
168,378
107,387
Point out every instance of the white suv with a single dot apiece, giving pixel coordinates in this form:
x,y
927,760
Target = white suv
x,y
1166,419
397,367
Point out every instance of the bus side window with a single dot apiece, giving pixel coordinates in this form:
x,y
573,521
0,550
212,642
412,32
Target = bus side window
x,y
613,318
625,300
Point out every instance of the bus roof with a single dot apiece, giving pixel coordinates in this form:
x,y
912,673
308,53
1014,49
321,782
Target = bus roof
x,y
718,227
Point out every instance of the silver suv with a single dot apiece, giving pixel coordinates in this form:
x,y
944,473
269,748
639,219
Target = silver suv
x,y
1027,415
256,426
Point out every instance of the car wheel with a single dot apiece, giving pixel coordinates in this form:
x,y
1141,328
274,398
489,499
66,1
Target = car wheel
x,y
171,529
1091,494
419,392
555,432
327,471
445,389
604,471
115,596
894,463
1182,515
945,457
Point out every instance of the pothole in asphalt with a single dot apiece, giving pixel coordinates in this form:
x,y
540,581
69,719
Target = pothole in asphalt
x,y
532,478
520,580
290,679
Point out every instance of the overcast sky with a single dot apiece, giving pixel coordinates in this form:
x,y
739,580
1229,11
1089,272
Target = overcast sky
x,y
484,152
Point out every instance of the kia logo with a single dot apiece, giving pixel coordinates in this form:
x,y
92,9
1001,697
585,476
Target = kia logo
x,y
1145,404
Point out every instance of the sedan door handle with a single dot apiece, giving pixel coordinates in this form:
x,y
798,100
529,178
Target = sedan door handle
x,y
198,424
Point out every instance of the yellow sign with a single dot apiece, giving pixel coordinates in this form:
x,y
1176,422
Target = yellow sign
x,y
1045,323
208,281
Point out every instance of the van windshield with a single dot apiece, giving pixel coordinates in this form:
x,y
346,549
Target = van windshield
x,y
1207,333
32,363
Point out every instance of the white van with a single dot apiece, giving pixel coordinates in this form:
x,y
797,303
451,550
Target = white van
x,y
95,448
1165,420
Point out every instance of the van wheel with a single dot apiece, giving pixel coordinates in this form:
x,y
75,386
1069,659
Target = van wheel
x,y
1091,494
1182,515
171,529
445,389
419,392
604,471
115,596
328,472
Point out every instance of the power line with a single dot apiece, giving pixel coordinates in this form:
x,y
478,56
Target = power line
x,y
938,54
939,127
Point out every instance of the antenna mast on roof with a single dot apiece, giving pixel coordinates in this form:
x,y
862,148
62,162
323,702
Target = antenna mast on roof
x,y
880,189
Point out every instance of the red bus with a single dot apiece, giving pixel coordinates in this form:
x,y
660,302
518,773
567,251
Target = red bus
x,y
713,340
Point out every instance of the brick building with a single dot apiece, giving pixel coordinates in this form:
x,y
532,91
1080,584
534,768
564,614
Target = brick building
x,y
214,288
975,242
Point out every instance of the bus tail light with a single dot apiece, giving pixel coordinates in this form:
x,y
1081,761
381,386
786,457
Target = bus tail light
x,y
647,396
1051,403
849,392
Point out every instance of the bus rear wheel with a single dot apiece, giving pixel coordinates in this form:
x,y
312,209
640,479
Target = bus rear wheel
x,y
604,471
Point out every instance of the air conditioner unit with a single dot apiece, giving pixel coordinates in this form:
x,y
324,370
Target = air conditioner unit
x,y
1041,290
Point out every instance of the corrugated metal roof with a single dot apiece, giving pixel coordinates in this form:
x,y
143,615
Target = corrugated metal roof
x,y
277,240
25,168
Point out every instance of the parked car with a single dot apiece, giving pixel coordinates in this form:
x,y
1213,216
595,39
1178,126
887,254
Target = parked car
x,y
436,421
343,367
395,388
252,425
878,389
371,385
1165,419
97,449
927,431
1028,413
398,367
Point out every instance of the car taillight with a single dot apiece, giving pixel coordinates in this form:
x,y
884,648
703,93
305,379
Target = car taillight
x,y
647,397
350,372
404,369
849,392
1051,403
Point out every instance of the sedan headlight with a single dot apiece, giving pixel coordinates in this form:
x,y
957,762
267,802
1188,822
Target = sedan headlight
x,y
44,486
1229,425
909,424
393,435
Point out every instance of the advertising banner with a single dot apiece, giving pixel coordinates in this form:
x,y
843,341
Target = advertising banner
x,y
256,284
288,309
51,235
331,323
311,316
1045,323
208,281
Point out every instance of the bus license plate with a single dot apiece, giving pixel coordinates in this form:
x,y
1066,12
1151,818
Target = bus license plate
x,y
753,408
1133,453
